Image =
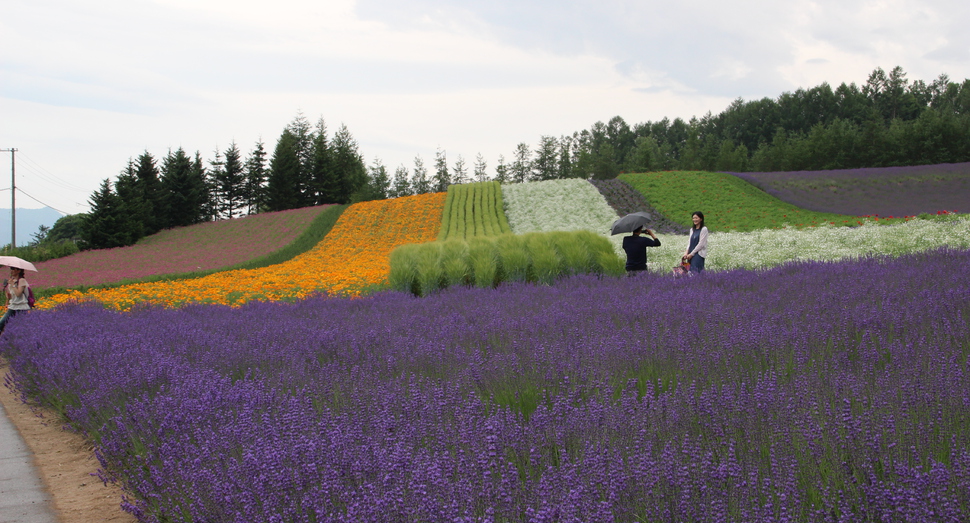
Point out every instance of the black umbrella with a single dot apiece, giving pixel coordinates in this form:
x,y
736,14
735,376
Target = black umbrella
x,y
630,222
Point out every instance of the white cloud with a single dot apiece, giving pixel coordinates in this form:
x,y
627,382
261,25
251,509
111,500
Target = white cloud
x,y
84,86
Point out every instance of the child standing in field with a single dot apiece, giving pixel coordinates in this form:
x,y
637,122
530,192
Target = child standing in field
x,y
16,291
697,243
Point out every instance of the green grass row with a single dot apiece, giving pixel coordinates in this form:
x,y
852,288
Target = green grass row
x,y
314,234
728,202
473,209
486,261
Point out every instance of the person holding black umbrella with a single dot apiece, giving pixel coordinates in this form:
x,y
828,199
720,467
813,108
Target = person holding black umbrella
x,y
636,250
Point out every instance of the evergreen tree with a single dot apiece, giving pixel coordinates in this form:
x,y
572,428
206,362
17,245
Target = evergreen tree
x,y
645,156
545,166
420,182
282,188
104,227
441,179
402,185
565,165
480,168
256,179
502,171
184,192
151,191
304,145
378,184
459,173
348,165
215,173
132,211
732,158
604,165
690,154
208,205
521,169
230,182
325,180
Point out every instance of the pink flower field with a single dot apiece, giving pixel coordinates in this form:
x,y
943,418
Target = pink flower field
x,y
203,247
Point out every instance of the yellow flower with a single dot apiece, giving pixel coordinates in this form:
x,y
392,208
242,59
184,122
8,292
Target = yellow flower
x,y
351,258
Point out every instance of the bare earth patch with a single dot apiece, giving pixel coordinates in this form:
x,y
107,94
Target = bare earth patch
x,y
66,463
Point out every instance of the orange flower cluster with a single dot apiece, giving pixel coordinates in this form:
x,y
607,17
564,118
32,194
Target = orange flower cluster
x,y
352,257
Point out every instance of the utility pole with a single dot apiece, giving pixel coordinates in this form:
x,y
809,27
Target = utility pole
x,y
13,195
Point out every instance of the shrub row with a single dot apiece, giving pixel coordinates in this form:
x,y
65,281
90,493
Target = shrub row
x,y
474,209
485,261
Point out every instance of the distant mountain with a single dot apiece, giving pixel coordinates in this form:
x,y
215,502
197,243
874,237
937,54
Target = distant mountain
x,y
28,221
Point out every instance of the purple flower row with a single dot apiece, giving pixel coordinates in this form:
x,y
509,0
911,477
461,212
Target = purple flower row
x,y
878,191
810,392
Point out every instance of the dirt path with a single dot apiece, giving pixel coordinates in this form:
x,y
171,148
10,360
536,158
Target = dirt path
x,y
65,461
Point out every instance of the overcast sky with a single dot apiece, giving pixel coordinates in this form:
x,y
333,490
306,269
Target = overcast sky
x,y
84,85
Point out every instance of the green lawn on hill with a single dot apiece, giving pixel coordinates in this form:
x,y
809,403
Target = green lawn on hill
x,y
728,202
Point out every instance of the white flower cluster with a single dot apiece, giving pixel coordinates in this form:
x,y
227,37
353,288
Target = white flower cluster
x,y
770,247
559,205
565,205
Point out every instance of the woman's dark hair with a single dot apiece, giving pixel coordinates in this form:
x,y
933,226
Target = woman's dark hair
x,y
20,272
699,215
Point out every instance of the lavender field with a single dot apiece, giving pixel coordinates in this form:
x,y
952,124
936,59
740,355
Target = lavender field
x,y
717,398
883,191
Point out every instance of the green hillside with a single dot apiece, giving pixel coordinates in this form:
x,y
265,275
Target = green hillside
x,y
728,202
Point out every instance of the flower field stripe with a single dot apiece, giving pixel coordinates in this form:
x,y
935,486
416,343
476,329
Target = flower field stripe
x,y
446,218
879,191
203,247
559,205
728,202
352,258
500,210
767,248
472,210
624,199
822,392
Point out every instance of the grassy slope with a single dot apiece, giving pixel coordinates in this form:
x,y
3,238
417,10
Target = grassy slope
x,y
728,202
313,234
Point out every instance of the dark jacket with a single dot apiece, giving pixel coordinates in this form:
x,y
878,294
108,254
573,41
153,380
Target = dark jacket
x,y
636,251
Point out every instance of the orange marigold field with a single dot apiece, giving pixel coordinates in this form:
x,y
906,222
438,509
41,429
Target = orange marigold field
x,y
351,258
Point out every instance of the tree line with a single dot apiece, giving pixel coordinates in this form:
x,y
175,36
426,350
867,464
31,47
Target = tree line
x,y
887,121
308,167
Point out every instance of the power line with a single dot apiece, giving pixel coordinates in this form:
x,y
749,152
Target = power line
x,y
44,173
42,203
